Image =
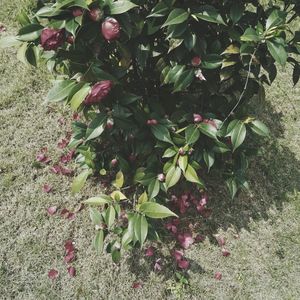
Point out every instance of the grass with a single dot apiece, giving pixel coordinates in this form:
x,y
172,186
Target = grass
x,y
262,228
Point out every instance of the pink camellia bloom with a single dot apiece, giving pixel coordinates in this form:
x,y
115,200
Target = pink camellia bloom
x,y
98,92
110,29
95,14
183,264
51,39
185,240
77,12
197,118
149,251
196,61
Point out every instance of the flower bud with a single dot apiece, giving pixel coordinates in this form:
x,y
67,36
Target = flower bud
x,y
196,61
70,39
110,124
95,14
132,157
77,12
197,118
161,177
114,162
110,29
51,39
154,122
98,92
181,151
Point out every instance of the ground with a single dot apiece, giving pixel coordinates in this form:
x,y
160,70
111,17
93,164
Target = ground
x,y
262,228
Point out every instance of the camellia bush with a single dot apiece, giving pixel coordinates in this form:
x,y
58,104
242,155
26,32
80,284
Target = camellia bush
x,y
162,87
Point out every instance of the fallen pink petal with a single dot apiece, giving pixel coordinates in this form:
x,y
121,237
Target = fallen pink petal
x,y
157,265
72,271
220,240
136,285
69,257
185,240
52,210
218,276
183,264
199,238
69,246
47,188
56,169
177,254
225,252
53,274
62,144
64,213
149,251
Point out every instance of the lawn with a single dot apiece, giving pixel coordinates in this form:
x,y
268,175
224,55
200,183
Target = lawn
x,y
262,228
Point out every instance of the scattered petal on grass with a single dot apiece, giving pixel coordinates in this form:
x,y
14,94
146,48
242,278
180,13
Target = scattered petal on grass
x,y
157,265
71,216
149,251
225,252
185,240
41,157
136,285
218,276
72,271
47,188
69,257
79,208
61,121
62,144
67,157
199,238
177,254
53,274
65,213
2,28
220,240
55,169
66,171
69,246
183,264
51,210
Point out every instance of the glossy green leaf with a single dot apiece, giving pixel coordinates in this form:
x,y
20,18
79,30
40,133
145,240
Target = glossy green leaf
x,y
209,158
183,162
153,188
96,127
161,133
173,176
191,175
95,216
60,90
98,241
192,134
121,6
79,97
80,180
238,135
278,52
99,200
110,216
176,16
141,229
250,35
156,211
259,128
209,130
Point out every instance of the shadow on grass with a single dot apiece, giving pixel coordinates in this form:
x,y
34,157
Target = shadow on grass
x,y
274,176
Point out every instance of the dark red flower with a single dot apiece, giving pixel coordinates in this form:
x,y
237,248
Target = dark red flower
x,y
98,92
76,116
199,238
110,29
196,61
95,14
55,169
220,240
53,274
51,39
72,271
77,12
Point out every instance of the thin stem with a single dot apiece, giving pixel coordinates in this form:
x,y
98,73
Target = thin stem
x,y
244,89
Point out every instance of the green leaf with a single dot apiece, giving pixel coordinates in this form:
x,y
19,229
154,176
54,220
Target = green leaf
x,y
275,19
209,158
79,97
119,182
250,35
110,216
153,188
141,228
30,32
116,255
238,135
98,241
236,12
156,211
159,10
99,200
183,162
170,152
95,216
96,127
120,7
209,130
192,134
176,16
161,133
232,187
60,90
80,180
278,52
173,176
210,14
259,128
191,175
184,81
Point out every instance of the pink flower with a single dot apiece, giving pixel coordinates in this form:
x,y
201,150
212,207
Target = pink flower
x,y
51,39
218,276
98,92
95,14
53,274
149,251
51,210
185,240
72,271
47,188
183,264
110,29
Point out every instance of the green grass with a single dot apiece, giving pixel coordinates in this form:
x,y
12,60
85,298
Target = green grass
x,y
262,228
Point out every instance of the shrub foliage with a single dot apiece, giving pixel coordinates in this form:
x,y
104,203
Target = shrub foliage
x,y
163,86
